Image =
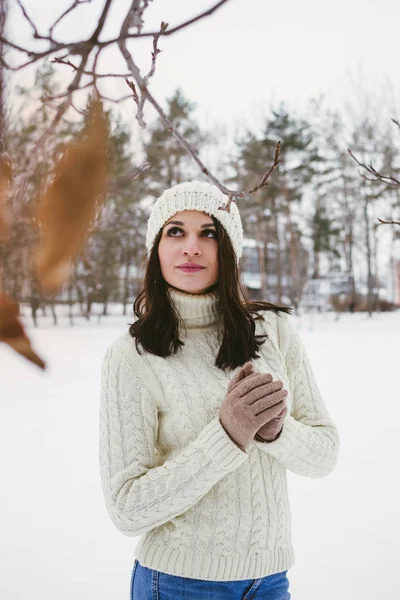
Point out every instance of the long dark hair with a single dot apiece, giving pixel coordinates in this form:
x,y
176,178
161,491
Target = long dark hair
x,y
157,324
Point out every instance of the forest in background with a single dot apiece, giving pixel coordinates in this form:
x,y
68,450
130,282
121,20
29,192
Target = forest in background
x,y
317,214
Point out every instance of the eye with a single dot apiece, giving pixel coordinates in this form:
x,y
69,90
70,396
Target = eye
x,y
169,233
211,231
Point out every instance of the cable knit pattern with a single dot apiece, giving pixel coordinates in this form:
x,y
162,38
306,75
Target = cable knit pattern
x,y
170,474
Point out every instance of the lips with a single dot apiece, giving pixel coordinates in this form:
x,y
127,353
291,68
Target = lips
x,y
191,269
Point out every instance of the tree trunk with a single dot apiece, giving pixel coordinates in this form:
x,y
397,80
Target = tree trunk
x,y
53,309
375,263
348,245
369,258
34,302
316,243
261,259
70,301
278,253
294,287
89,303
106,295
125,293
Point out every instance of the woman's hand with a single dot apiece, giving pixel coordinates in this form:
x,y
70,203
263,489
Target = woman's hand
x,y
248,405
271,430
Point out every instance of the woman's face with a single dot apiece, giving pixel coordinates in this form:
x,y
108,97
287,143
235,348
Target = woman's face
x,y
189,236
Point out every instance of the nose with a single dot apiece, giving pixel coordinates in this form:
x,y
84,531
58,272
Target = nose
x,y
191,247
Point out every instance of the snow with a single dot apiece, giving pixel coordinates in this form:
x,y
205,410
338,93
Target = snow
x,y
57,540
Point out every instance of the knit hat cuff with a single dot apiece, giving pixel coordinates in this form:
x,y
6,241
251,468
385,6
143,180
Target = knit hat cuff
x,y
195,195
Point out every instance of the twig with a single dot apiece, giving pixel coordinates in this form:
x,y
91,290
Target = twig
x,y
78,47
65,13
114,100
156,51
118,183
232,195
68,63
135,95
388,179
207,13
276,162
73,87
66,93
140,91
78,110
102,20
27,17
389,222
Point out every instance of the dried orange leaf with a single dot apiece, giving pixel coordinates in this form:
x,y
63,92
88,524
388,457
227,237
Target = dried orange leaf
x,y
12,331
72,200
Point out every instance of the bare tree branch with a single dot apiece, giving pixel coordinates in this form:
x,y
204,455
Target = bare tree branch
x,y
65,13
3,14
139,103
389,222
140,92
138,11
78,47
115,185
78,110
388,179
5,161
155,52
73,86
264,179
102,20
37,55
208,12
232,195
31,23
68,63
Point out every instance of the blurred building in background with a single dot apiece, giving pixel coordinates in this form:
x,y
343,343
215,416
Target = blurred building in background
x,y
279,277
393,281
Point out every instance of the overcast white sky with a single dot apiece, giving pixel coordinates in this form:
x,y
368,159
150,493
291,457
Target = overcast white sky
x,y
247,55
250,52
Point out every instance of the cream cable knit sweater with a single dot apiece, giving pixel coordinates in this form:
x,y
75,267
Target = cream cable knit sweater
x,y
170,474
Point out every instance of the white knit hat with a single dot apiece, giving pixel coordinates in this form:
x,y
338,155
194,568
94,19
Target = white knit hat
x,y
195,195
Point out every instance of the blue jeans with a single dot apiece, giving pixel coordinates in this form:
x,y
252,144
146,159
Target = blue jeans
x,y
148,584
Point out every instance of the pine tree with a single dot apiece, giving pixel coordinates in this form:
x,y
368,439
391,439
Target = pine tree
x,y
170,162
273,205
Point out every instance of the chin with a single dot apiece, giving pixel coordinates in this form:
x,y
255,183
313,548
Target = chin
x,y
191,289
194,287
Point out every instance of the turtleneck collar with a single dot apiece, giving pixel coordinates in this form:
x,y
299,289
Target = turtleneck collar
x,y
197,310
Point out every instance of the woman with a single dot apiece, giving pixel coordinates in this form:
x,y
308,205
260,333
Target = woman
x,y
205,403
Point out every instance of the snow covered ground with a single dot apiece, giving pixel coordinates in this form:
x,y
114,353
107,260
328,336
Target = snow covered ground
x,y
57,540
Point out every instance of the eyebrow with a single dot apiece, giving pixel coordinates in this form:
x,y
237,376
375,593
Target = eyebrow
x,y
180,223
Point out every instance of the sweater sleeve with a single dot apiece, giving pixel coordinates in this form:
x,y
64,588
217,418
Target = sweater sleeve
x,y
309,442
141,494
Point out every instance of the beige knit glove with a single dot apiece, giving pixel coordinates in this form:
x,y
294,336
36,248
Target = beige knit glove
x,y
248,405
271,430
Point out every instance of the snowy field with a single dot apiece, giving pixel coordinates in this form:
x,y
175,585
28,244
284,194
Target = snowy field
x,y
57,541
